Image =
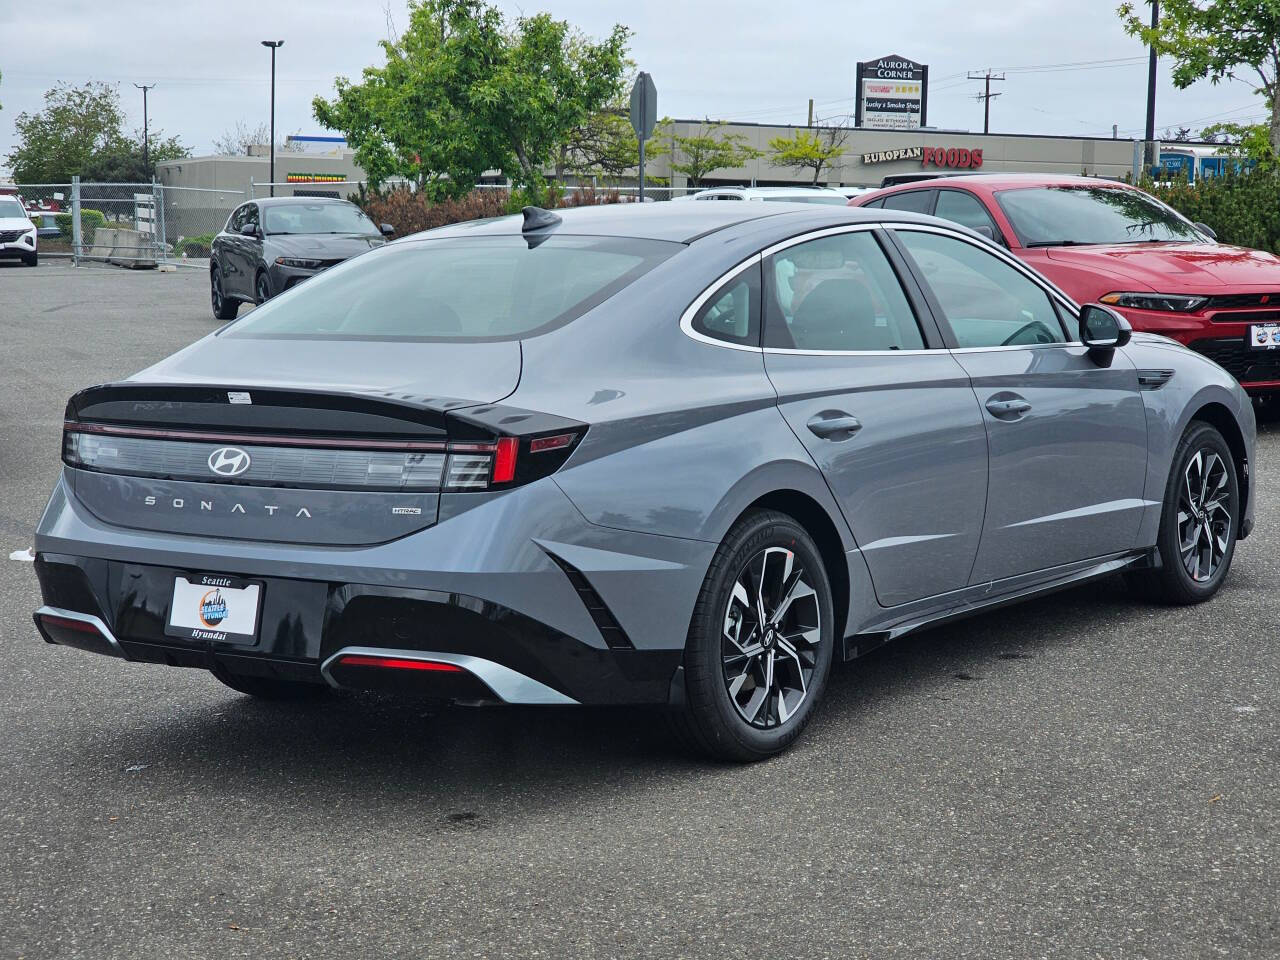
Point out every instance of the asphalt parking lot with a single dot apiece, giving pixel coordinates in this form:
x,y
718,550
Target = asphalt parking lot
x,y
1082,776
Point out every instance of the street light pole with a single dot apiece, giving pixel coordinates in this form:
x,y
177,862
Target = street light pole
x,y
1151,89
273,44
145,156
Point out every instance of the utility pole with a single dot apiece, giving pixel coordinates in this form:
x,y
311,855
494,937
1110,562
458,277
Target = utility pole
x,y
810,123
986,96
146,165
273,44
1151,89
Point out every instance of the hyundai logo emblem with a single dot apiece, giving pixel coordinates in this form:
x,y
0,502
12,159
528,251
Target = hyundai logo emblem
x,y
228,461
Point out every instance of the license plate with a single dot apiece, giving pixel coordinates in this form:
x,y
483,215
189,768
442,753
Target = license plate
x,y
214,607
1264,336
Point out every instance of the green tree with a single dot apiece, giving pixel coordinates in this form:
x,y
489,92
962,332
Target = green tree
x,y
809,149
1217,39
703,152
121,160
463,91
75,124
604,145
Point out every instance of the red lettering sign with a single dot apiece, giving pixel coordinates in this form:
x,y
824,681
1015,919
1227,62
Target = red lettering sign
x,y
951,158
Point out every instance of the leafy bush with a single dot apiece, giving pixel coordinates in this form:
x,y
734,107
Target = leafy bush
x,y
1242,209
90,221
194,246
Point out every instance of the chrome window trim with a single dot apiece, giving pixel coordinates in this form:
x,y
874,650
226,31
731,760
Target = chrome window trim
x,y
508,685
686,318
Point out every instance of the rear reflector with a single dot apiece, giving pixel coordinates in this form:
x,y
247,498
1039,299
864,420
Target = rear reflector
x,y
552,443
63,623
396,663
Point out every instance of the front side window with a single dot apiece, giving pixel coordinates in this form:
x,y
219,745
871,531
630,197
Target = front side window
x,y
457,288
732,313
317,218
250,215
986,302
1060,216
964,209
237,219
837,293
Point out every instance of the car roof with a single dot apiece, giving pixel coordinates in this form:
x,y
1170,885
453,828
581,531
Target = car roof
x,y
289,201
678,222
681,223
1002,181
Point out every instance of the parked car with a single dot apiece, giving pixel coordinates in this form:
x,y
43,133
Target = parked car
x,y
683,455
1109,242
268,246
774,194
18,239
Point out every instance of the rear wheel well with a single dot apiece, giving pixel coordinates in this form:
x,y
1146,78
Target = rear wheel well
x,y
817,522
1219,417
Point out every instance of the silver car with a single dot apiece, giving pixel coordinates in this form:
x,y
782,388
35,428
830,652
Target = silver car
x,y
682,455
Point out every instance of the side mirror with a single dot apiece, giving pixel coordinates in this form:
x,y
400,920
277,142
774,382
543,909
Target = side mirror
x,y
1207,230
387,230
1103,330
249,230
984,230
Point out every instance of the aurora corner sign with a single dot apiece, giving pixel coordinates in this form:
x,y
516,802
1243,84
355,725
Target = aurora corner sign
x,y
892,94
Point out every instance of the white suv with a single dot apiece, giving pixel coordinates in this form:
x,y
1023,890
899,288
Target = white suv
x,y
780,194
17,232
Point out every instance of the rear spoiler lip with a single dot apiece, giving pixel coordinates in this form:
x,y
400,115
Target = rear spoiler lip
x,y
433,418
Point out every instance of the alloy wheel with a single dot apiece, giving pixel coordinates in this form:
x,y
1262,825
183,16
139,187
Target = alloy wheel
x,y
216,289
264,292
1204,515
772,630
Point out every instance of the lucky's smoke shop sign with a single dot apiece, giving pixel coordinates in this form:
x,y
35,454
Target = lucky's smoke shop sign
x,y
892,94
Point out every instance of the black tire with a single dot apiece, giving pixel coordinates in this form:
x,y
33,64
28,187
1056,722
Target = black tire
x,y
261,287
31,259
1189,575
713,720
224,307
270,688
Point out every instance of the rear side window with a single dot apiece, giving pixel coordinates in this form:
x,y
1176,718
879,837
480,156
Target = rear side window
x,y
458,288
913,201
837,293
732,313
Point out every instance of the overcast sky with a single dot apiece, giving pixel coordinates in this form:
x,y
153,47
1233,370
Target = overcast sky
x,y
751,60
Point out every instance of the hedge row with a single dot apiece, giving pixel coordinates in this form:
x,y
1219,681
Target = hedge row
x,y
90,221
1242,210
409,212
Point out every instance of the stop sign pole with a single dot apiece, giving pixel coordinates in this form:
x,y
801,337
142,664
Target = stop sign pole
x,y
644,115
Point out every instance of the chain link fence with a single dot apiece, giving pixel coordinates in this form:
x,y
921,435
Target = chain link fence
x,y
128,224
147,224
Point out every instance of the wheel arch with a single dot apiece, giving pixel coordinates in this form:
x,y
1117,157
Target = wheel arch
x,y
817,522
1220,417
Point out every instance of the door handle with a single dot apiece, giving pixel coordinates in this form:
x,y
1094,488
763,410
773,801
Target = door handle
x,y
833,425
1006,407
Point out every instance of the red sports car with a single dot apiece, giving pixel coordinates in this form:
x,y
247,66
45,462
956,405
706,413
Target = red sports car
x,y
1108,242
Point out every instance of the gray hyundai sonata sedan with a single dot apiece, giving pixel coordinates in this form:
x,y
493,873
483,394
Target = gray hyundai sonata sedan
x,y
678,455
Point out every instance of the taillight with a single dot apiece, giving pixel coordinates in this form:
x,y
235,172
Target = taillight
x,y
330,463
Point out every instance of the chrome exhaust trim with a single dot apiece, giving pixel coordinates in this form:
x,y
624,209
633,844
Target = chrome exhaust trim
x,y
87,618
508,685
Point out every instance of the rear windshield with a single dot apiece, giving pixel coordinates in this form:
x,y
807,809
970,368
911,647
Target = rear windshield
x,y
470,288
316,218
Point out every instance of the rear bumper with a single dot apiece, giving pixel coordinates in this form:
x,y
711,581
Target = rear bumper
x,y
535,603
